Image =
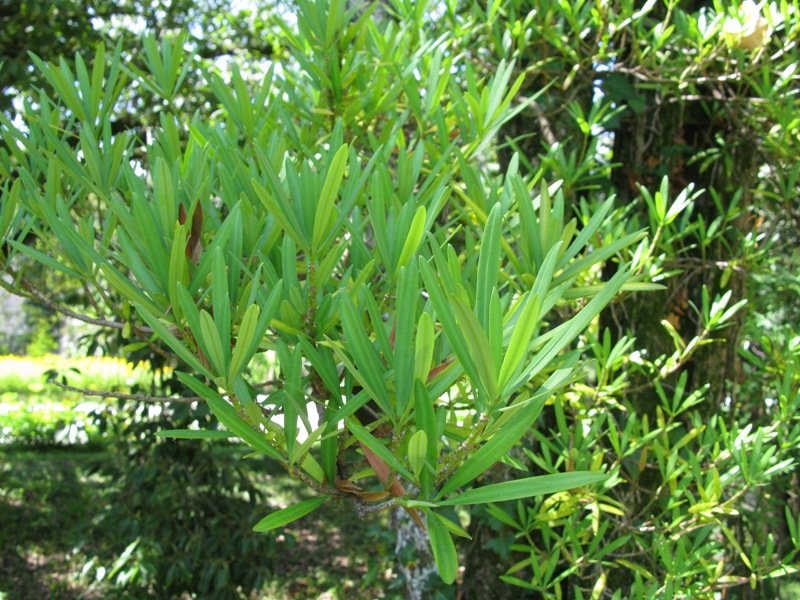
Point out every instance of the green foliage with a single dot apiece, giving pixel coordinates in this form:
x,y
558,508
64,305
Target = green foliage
x,y
431,315
30,375
56,30
178,513
41,427
695,97
41,344
714,474
70,547
250,239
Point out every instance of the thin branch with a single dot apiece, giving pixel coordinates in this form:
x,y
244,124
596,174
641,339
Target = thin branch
x,y
40,297
296,473
125,396
33,293
544,124
269,383
143,397
365,508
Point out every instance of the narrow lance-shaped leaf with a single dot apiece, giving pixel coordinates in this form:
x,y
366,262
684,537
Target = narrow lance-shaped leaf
x,y
444,311
493,450
597,256
172,341
423,352
479,345
565,333
229,418
178,271
371,442
221,301
322,362
417,452
426,421
413,239
9,202
209,338
327,199
44,259
250,335
587,231
247,332
403,350
291,513
365,357
525,488
194,434
293,396
444,550
520,338
329,448
281,211
190,311
488,265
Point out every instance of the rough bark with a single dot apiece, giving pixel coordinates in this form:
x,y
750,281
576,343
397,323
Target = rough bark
x,y
662,140
414,556
484,568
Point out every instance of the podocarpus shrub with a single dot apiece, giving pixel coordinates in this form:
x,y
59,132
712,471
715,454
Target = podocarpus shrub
x,y
407,295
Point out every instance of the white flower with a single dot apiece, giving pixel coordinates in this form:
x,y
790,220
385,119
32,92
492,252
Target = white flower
x,y
749,30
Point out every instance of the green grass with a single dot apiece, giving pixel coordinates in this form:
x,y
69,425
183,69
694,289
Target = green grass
x,y
38,414
26,375
36,422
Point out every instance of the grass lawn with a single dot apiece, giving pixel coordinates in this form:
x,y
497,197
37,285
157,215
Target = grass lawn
x,y
49,502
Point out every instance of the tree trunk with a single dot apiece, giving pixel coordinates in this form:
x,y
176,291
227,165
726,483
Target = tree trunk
x,y
414,558
662,141
484,568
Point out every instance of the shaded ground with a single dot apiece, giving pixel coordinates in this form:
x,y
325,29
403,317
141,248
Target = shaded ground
x,y
43,513
48,502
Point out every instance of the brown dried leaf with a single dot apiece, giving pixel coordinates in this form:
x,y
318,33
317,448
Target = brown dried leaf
x,y
345,485
194,248
397,490
374,496
438,369
379,465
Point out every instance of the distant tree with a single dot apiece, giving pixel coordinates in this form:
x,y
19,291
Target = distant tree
x,y
57,30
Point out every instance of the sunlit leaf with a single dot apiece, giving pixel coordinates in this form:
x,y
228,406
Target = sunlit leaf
x,y
290,513
525,488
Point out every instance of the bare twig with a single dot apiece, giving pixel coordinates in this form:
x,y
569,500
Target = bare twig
x,y
365,508
544,124
143,397
33,293
296,473
126,396
40,297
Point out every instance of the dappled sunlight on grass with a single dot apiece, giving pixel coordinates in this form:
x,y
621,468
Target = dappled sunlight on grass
x,y
25,375
35,413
